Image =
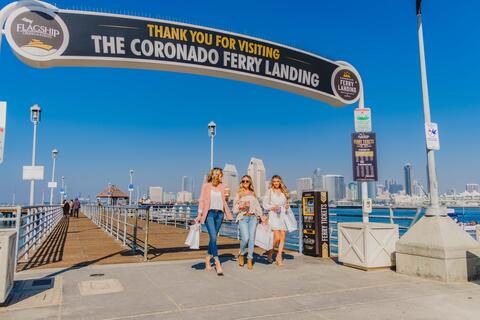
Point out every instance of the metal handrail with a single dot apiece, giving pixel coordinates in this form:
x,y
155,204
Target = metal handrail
x,y
115,221
33,224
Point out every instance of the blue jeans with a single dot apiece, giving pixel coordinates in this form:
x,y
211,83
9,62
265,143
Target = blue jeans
x,y
248,226
213,223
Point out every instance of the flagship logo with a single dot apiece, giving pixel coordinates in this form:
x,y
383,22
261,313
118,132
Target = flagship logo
x,y
346,84
37,33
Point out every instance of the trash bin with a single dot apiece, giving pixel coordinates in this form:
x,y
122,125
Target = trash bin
x,y
7,262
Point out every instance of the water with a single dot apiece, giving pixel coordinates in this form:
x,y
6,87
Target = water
x,y
402,217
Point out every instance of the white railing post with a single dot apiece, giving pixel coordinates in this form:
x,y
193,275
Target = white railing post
x,y
18,223
118,222
125,226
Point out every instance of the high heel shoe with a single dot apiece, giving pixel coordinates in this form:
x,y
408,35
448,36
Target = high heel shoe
x,y
218,268
250,264
270,256
207,263
279,260
241,260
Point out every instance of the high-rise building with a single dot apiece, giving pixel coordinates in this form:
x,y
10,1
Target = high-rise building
x,y
304,184
372,190
169,197
408,172
155,194
380,189
256,170
230,178
188,184
471,187
184,196
335,185
317,179
352,191
394,188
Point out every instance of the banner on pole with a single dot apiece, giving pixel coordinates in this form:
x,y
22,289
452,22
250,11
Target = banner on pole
x,y
364,156
432,136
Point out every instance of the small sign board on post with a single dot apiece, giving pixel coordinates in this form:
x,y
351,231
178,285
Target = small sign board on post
x,y
52,184
432,136
364,156
363,120
3,123
130,187
33,172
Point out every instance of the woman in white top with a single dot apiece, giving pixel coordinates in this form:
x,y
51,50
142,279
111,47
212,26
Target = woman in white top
x,y
276,202
248,211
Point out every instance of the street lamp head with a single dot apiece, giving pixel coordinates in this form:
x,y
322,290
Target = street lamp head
x,y
131,172
54,153
211,129
35,111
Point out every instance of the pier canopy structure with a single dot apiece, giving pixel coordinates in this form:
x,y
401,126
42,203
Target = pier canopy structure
x,y
112,195
42,35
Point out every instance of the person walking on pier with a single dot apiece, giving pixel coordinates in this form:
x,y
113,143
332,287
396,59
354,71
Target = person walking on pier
x,y
70,204
66,208
212,207
248,211
76,207
276,202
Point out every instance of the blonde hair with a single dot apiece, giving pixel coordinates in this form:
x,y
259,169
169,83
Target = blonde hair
x,y
214,175
283,187
250,187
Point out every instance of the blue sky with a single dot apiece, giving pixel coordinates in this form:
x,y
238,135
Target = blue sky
x,y
107,121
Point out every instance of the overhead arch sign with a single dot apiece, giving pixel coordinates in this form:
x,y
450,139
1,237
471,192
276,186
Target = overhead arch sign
x,y
44,36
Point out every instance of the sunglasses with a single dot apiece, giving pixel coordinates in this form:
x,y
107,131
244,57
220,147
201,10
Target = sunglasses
x,y
245,181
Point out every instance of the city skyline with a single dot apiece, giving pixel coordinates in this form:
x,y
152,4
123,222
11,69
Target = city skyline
x,y
102,119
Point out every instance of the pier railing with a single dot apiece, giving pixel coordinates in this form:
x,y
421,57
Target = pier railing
x,y
122,223
33,224
126,223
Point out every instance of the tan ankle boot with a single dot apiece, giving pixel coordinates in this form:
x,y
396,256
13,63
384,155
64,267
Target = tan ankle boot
x,y
250,264
241,260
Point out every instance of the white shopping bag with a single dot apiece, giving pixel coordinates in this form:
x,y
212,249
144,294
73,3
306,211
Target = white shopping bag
x,y
290,221
264,237
193,238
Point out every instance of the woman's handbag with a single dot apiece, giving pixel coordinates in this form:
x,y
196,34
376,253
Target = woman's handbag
x,y
264,237
193,237
290,221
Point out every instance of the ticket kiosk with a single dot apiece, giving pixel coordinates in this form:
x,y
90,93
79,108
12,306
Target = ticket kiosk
x,y
316,233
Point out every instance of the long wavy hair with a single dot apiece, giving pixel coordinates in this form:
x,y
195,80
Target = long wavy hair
x,y
215,175
283,187
250,186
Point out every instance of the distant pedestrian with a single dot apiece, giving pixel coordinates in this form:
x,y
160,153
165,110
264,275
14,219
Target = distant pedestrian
x,y
66,208
212,207
76,207
71,207
248,211
276,202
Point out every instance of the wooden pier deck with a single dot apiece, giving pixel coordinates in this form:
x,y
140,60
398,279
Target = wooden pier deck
x,y
77,242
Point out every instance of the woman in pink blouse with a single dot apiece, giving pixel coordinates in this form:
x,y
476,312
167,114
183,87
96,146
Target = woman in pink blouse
x,y
212,207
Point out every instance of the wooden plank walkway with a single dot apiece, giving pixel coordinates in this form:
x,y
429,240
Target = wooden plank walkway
x,y
77,242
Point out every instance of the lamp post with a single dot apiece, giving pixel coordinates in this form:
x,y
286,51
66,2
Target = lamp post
x,y
434,208
54,157
211,132
130,188
62,190
35,112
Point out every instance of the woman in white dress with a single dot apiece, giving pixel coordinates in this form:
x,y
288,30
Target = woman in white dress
x,y
276,202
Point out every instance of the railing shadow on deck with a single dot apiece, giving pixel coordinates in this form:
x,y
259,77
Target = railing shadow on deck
x,y
51,250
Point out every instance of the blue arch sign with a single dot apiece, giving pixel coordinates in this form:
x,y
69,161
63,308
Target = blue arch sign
x,y
42,35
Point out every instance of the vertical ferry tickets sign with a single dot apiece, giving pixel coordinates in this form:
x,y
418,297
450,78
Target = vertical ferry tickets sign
x,y
46,37
364,156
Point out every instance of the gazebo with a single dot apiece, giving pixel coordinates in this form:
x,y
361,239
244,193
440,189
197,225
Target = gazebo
x,y
112,195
